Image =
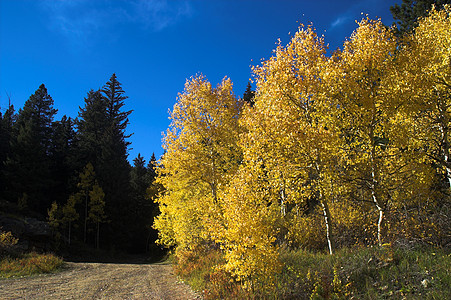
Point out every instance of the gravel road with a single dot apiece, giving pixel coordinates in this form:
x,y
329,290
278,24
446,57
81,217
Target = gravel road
x,y
100,281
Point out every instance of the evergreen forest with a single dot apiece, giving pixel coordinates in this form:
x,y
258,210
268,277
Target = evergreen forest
x,y
74,173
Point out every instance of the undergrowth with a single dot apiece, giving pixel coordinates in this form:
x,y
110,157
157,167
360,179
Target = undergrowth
x,y
351,273
29,264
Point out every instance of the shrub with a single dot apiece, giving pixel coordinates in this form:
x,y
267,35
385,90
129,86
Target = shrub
x,y
7,241
29,264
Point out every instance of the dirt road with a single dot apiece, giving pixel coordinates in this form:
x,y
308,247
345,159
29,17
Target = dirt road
x,y
100,281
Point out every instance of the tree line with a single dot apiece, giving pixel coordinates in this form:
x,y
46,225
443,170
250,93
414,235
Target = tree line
x,y
75,172
330,151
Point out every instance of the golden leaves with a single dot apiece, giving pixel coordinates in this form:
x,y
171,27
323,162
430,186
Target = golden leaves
x,y
201,153
352,132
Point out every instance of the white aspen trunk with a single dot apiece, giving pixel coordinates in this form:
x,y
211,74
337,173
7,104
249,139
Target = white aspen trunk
x,y
379,209
448,175
327,218
376,200
283,209
379,226
446,154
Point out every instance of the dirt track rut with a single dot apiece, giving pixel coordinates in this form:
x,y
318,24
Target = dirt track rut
x,y
100,281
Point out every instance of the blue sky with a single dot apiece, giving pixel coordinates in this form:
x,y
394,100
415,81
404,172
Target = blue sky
x,y
153,46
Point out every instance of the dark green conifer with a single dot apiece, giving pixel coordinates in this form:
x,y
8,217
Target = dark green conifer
x,y
92,126
249,95
7,120
29,164
141,206
113,168
64,159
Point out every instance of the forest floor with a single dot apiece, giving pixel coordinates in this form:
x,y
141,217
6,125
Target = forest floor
x,y
100,281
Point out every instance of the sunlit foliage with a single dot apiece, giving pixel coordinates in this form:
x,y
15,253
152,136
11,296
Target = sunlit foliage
x,y
201,155
332,151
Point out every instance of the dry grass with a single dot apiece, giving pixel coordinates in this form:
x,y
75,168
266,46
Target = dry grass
x,y
29,264
359,273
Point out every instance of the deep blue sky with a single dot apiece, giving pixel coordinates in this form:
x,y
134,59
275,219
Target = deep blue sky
x,y
73,46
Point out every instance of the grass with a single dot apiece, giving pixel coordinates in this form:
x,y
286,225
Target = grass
x,y
200,268
29,264
358,273
196,266
367,273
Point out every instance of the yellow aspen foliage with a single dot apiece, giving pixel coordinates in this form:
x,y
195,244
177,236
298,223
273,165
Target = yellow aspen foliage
x,y
421,80
356,74
334,149
295,128
249,235
97,209
424,82
201,155
380,164
287,152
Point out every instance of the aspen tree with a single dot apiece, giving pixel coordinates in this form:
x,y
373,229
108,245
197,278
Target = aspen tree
x,y
201,155
424,82
369,122
298,132
287,151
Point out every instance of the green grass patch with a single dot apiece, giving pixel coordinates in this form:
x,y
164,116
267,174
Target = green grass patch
x,y
366,273
358,273
29,264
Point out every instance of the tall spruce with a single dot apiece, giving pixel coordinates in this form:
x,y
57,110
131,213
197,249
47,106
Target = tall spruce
x,y
29,165
154,190
92,125
7,120
63,157
151,168
113,168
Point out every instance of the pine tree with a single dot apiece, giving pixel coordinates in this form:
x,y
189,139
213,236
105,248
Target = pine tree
x,y
154,190
92,125
29,165
249,95
141,207
103,142
7,120
138,174
113,94
64,161
113,168
151,168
